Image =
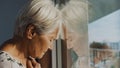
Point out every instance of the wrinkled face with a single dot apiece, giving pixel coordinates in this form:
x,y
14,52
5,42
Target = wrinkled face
x,y
41,43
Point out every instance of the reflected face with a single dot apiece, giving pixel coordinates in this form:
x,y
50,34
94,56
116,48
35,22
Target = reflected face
x,y
71,38
41,43
75,40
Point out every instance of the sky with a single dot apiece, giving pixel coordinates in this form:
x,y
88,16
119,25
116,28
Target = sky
x,y
106,28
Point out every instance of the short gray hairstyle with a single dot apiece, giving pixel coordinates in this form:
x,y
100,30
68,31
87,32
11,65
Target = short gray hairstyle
x,y
41,13
75,16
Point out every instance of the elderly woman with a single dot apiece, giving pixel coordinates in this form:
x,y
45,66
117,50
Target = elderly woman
x,y
35,30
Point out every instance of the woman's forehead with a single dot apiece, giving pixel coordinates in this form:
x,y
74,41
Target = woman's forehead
x,y
53,32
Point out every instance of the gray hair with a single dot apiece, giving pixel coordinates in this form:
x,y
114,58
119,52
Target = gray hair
x,y
75,15
41,13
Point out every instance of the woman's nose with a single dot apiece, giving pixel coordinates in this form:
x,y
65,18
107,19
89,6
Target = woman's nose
x,y
51,45
52,40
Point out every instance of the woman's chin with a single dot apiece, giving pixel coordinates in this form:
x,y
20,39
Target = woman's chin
x,y
41,56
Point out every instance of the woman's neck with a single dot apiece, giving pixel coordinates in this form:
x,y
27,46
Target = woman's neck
x,y
17,49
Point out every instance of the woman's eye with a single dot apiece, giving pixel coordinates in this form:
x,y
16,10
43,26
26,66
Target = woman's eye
x,y
52,40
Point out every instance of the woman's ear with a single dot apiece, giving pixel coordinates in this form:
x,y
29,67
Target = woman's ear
x,y
30,31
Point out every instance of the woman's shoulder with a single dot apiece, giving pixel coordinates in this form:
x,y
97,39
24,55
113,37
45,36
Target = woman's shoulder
x,y
3,60
6,61
5,57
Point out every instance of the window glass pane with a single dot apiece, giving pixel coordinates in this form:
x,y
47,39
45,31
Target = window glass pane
x,y
104,31
75,34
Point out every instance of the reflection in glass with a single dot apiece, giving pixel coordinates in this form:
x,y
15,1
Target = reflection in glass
x,y
75,34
